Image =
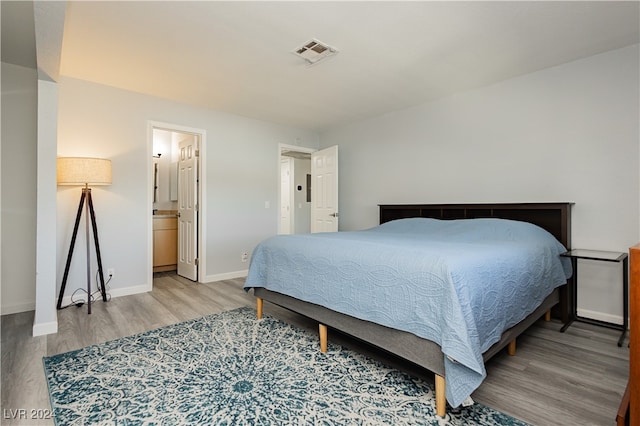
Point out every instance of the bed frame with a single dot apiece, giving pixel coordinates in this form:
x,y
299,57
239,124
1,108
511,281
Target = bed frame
x,y
554,217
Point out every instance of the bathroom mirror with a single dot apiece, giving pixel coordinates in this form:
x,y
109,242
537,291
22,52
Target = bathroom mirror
x,y
173,182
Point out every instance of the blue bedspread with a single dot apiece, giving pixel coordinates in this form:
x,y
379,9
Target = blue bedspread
x,y
459,283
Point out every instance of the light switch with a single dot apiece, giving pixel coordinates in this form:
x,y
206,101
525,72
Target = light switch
x,y
267,204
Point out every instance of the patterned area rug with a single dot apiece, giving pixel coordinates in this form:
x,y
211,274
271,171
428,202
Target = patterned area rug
x,y
231,369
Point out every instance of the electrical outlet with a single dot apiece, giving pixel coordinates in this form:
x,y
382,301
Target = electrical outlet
x,y
244,256
111,272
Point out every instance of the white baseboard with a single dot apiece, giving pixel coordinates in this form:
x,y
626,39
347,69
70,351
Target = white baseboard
x,y
126,291
114,292
600,316
45,328
18,308
225,276
52,327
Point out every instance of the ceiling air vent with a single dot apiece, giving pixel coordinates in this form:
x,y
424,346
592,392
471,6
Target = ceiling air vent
x,y
315,51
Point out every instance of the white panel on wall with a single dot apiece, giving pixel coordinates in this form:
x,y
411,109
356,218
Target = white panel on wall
x,y
302,207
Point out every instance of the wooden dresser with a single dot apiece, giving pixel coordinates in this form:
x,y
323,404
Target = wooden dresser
x,y
629,411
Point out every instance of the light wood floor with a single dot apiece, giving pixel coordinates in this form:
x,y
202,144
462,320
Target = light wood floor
x,y
572,378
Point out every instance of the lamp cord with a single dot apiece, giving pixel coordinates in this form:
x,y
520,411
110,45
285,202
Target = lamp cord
x,y
80,302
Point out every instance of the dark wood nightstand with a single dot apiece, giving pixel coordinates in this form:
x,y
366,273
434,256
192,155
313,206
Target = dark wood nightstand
x,y
605,256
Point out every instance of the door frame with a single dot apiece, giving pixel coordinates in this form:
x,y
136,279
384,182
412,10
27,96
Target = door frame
x,y
202,202
285,147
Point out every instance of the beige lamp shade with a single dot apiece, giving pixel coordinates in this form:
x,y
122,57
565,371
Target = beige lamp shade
x,y
83,171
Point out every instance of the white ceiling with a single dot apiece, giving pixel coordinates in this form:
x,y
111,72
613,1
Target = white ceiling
x,y
236,56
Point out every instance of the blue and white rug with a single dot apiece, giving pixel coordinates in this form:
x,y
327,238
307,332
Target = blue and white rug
x,y
231,369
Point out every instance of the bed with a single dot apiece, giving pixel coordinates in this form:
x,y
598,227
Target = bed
x,y
385,255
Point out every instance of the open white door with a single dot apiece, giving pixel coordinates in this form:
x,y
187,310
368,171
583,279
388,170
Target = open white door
x,y
324,190
188,209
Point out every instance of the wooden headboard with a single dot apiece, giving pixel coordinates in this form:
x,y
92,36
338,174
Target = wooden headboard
x,y
554,217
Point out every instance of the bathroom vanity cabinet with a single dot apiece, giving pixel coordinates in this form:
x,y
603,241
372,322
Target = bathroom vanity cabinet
x,y
165,243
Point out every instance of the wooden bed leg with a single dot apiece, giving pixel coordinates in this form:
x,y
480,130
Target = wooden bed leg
x,y
259,303
323,337
511,349
547,315
441,396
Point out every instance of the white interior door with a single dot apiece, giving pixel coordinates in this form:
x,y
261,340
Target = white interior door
x,y
324,190
188,208
285,195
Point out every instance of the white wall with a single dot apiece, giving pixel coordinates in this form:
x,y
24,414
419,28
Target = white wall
x,y
568,133
242,174
18,223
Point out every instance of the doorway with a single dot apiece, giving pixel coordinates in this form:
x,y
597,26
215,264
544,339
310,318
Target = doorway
x,y
308,189
294,191
178,168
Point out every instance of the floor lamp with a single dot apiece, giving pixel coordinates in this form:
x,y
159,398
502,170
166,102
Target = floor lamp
x,y
84,171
